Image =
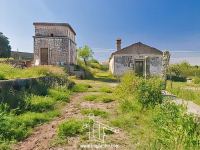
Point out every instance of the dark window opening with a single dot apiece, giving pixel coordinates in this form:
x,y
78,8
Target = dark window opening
x,y
51,34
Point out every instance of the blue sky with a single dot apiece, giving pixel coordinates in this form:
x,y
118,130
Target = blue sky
x,y
165,24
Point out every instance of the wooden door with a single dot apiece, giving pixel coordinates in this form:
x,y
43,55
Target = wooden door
x,y
44,56
139,67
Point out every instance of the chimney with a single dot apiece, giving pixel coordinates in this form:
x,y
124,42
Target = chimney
x,y
118,44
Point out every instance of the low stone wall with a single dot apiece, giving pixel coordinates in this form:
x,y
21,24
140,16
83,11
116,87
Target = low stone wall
x,y
18,84
13,92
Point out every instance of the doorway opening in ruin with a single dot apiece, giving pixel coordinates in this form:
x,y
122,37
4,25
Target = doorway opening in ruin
x,y
44,56
139,67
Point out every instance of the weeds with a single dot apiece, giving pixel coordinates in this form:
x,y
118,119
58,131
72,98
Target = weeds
x,y
9,72
40,103
96,112
175,128
91,97
60,94
81,87
163,126
72,128
106,89
186,94
105,98
23,108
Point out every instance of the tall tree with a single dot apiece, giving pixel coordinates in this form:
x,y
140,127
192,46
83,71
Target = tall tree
x,y
5,48
85,53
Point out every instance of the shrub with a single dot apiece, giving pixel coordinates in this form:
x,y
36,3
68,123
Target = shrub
x,y
11,129
2,76
196,80
127,105
128,85
175,128
177,78
71,128
96,112
149,92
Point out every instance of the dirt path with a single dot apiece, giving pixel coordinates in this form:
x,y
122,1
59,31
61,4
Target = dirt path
x,y
40,138
191,106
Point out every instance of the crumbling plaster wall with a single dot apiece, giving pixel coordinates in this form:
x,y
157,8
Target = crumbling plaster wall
x,y
125,62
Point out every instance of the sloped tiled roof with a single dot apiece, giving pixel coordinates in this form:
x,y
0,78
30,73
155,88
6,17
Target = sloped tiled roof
x,y
138,48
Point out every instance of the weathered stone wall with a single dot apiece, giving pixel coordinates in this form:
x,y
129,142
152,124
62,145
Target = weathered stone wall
x,y
42,30
18,84
60,42
125,62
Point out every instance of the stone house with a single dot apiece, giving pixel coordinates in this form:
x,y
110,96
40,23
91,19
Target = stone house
x,y
141,58
54,44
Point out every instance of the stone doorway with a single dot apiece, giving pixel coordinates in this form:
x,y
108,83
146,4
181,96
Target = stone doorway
x,y
44,56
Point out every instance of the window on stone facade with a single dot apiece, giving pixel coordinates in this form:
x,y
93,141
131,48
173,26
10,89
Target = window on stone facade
x,y
130,64
51,34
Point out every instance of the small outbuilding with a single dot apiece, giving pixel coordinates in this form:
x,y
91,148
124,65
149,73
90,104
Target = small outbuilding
x,y
138,57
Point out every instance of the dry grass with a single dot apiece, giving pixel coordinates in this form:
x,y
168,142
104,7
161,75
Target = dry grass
x,y
9,72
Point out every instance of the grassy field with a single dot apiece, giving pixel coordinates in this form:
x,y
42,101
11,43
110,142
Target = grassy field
x,y
16,124
21,111
159,126
186,91
9,72
134,105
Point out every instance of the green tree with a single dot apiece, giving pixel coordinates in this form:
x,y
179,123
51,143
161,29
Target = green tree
x,y
5,48
85,53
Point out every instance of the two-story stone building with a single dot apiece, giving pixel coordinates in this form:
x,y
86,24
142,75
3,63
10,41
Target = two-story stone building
x,y
54,44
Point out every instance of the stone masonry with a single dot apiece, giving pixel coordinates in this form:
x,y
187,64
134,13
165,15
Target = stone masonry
x,y
54,44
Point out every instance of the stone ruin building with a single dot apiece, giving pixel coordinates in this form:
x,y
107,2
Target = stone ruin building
x,y
138,57
54,44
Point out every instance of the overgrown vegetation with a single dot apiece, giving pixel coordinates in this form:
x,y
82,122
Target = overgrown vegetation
x,y
185,91
96,112
5,48
179,72
72,128
146,92
176,129
81,87
21,109
163,126
9,72
106,98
